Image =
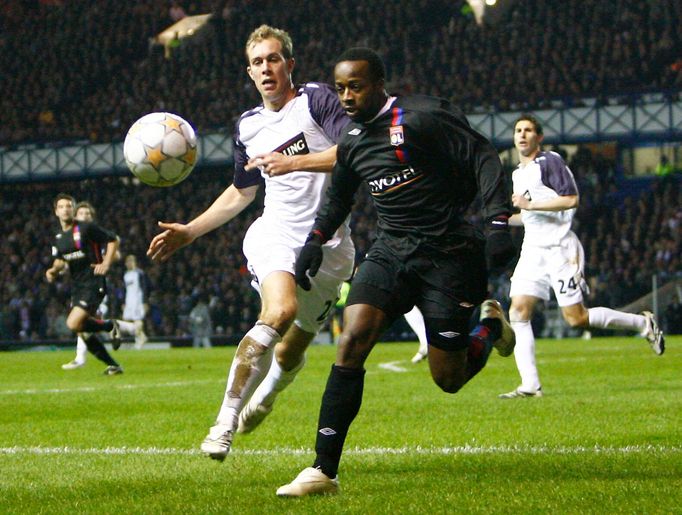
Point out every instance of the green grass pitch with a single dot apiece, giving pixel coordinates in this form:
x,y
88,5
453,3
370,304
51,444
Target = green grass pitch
x,y
606,438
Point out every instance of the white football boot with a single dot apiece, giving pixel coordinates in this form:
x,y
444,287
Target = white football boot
x,y
218,441
251,416
653,333
310,481
505,344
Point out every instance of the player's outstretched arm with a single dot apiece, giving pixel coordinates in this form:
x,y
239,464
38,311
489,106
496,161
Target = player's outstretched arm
x,y
276,163
560,203
176,235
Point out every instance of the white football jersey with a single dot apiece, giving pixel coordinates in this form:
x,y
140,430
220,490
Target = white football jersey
x,y
136,292
546,177
311,122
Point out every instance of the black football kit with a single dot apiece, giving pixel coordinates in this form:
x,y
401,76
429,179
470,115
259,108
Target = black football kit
x,y
424,165
82,246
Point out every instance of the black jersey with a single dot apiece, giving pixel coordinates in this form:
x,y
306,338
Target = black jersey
x,y
424,165
81,246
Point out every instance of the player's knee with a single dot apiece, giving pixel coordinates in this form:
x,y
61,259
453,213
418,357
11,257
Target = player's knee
x,y
577,320
279,317
449,383
519,313
74,325
354,347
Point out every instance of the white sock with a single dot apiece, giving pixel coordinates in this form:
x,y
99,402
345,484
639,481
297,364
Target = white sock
x,y
606,318
416,321
127,328
275,382
81,349
524,353
250,364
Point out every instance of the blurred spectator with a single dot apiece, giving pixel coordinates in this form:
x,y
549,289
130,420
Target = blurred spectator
x,y
622,47
200,323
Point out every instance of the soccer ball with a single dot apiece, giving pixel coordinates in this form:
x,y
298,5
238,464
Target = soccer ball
x,y
160,149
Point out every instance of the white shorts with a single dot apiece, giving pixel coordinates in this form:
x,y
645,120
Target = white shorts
x,y
133,312
270,250
559,267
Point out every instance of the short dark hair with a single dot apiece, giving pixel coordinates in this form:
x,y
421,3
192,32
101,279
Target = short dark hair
x,y
376,65
532,119
86,205
63,196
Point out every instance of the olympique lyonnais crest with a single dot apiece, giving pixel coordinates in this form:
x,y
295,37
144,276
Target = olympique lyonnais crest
x,y
396,135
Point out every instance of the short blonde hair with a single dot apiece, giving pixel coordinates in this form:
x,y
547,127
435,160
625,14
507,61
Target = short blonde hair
x,y
268,32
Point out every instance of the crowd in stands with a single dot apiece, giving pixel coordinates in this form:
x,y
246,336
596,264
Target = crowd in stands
x,y
626,239
86,69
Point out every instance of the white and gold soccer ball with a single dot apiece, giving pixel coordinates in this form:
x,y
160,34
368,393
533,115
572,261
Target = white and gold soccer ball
x,y
161,149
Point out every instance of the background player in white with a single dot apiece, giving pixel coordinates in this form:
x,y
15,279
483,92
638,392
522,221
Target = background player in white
x,y
294,129
415,319
135,307
552,256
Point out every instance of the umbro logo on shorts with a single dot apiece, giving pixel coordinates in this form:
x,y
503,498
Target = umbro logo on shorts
x,y
449,334
355,132
327,431
82,303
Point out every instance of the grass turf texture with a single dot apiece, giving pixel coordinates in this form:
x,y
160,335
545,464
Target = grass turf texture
x,y
606,438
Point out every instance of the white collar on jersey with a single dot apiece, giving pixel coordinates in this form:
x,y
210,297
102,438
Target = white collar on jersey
x,y
386,107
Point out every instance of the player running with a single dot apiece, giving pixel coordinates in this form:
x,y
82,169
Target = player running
x,y
552,257
294,130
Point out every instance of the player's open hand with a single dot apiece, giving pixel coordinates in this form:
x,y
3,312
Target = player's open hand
x,y
272,164
520,201
174,237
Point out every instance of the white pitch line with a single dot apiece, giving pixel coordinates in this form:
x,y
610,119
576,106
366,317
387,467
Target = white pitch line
x,y
380,451
393,366
108,387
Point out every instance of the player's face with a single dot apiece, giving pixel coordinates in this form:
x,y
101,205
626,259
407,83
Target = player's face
x,y
271,72
84,214
64,210
526,139
360,96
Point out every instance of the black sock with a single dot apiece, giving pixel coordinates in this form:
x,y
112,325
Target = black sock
x,y
93,325
340,404
99,351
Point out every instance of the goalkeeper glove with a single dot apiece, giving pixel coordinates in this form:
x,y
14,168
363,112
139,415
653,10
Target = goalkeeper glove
x,y
309,260
499,248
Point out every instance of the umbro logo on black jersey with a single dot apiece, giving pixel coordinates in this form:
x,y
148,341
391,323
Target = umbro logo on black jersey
x,y
449,334
355,132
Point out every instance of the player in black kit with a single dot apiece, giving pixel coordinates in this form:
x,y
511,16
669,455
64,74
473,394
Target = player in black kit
x,y
88,250
424,165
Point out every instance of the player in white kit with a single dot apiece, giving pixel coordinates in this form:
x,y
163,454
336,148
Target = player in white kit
x,y
552,256
295,129
135,307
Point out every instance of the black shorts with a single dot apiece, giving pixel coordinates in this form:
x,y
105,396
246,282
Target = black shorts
x,y
87,296
446,287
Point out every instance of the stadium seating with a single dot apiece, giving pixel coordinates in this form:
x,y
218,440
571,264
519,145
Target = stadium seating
x,y
87,69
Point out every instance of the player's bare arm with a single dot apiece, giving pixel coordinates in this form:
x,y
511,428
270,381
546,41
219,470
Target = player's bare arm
x,y
515,220
561,203
108,258
176,235
52,272
276,163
